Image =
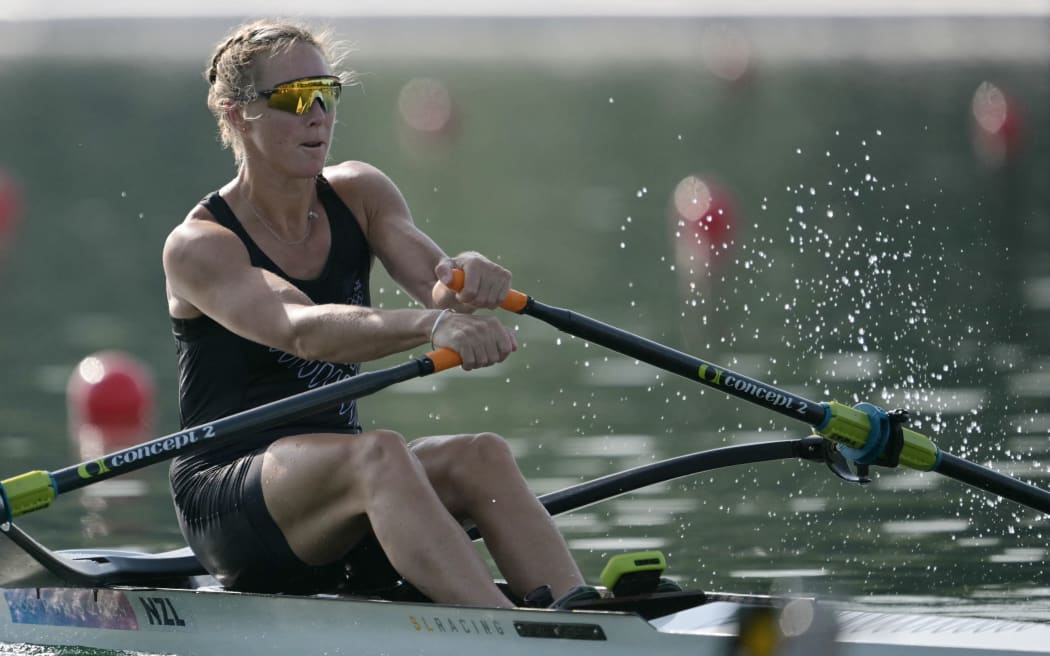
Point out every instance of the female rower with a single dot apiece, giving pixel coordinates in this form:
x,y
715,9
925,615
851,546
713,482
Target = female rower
x,y
267,288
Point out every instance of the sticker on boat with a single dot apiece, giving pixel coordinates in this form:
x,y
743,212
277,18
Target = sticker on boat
x,y
87,608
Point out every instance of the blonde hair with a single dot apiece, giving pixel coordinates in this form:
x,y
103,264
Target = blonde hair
x,y
235,63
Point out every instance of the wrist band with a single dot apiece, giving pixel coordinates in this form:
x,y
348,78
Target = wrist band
x,y
433,329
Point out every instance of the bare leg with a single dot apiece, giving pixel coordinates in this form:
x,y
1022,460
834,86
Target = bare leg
x,y
477,478
320,489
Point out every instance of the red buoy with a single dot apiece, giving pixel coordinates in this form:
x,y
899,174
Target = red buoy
x,y
998,128
10,210
703,218
703,214
110,399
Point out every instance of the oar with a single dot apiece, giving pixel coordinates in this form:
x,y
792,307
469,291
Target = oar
x,y
866,433
613,485
37,489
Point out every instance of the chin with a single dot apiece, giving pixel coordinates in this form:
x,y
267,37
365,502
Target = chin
x,y
311,167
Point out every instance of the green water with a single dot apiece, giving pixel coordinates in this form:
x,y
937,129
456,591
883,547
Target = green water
x,y
875,258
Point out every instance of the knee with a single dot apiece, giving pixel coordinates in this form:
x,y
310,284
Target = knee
x,y
468,469
377,455
378,445
491,448
485,453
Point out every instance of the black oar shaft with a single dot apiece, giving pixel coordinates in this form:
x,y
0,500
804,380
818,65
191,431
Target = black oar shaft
x,y
849,426
605,488
992,481
683,364
169,446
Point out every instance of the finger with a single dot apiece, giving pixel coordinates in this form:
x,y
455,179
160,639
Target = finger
x,y
472,359
443,270
487,295
510,341
466,341
500,339
493,352
503,341
503,291
496,278
468,289
495,285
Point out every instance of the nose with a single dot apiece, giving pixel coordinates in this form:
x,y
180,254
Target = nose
x,y
316,113
316,98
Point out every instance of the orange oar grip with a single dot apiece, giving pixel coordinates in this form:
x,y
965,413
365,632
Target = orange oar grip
x,y
444,358
515,301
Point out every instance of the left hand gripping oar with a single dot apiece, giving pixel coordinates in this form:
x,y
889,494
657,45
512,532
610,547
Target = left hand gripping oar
x,y
37,489
866,434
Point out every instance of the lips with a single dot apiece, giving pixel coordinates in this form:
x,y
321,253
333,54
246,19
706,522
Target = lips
x,y
313,144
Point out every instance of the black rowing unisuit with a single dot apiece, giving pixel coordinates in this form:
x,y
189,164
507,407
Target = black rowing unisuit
x,y
221,373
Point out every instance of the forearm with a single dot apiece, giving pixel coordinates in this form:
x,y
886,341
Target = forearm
x,y
347,333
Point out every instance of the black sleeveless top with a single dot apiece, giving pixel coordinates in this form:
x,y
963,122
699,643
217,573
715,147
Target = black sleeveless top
x,y
221,373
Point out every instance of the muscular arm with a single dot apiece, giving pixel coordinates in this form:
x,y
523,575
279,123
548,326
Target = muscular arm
x,y
413,260
208,270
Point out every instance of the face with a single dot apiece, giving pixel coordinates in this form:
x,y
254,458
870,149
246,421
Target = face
x,y
297,144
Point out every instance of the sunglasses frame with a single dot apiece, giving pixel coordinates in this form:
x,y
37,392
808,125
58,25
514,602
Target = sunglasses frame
x,y
327,83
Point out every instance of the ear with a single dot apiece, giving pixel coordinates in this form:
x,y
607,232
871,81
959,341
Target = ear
x,y
233,114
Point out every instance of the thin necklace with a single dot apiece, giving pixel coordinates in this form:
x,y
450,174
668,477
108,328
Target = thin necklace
x,y
310,216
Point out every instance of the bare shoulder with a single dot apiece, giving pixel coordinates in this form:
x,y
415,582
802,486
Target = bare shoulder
x,y
408,254
353,172
370,194
360,180
200,242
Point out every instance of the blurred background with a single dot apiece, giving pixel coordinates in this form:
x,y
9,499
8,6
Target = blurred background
x,y
851,203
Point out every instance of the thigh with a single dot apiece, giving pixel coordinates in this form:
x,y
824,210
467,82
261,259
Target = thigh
x,y
315,487
226,522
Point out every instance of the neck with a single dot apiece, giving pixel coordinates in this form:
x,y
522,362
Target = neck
x,y
285,211
281,195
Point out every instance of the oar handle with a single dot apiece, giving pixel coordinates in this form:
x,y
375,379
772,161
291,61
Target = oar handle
x,y
444,358
515,301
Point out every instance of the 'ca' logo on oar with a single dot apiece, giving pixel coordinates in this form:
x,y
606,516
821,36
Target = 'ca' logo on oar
x,y
100,465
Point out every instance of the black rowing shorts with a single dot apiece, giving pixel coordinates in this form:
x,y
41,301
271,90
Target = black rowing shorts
x,y
224,519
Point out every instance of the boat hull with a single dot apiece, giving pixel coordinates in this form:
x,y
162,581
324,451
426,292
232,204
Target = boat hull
x,y
204,622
